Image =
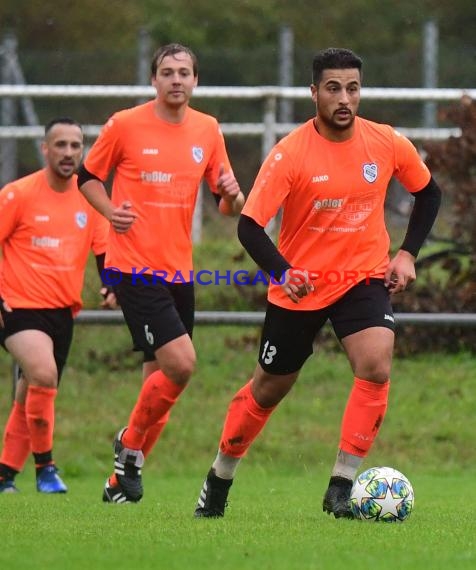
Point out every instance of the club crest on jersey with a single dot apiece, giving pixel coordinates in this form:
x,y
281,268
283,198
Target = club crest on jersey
x,y
197,153
370,172
81,219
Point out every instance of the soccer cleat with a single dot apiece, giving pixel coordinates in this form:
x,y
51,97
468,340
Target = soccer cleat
x,y
128,469
8,486
48,481
114,494
213,496
337,498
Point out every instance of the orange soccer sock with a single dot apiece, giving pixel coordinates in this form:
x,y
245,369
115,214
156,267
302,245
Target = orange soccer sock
x,y
153,434
16,439
244,421
40,417
157,396
363,416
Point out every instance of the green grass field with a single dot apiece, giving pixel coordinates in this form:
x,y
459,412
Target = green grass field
x,y
274,519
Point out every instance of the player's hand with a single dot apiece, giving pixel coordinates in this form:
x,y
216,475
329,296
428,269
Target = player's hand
x,y
400,272
109,298
7,309
297,283
227,185
122,218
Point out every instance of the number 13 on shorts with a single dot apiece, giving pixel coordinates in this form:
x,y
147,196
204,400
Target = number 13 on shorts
x,y
269,352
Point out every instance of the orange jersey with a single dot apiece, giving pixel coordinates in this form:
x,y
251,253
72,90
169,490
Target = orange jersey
x,y
332,196
46,237
158,168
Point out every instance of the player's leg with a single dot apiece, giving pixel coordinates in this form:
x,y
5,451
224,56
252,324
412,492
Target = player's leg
x,y
286,343
156,328
160,391
364,323
16,440
155,431
248,413
34,351
184,298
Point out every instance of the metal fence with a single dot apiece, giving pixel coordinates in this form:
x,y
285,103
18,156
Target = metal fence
x,y
247,318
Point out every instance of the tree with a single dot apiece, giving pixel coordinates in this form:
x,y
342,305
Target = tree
x,y
447,277
88,25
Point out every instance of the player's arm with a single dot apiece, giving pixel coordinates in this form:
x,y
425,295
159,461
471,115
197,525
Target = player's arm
x,y
108,295
231,198
260,247
295,282
401,270
6,308
10,214
423,216
94,191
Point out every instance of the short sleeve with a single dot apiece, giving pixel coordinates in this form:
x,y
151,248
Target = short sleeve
x,y
106,150
271,187
410,169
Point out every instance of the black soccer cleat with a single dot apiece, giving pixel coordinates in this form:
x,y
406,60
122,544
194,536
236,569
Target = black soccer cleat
x,y
337,498
128,469
114,494
213,496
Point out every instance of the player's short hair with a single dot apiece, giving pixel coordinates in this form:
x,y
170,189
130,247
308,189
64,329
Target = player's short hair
x,y
61,121
334,58
172,49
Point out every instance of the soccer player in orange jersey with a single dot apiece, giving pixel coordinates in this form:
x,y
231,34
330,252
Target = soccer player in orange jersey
x,y
46,233
160,151
330,177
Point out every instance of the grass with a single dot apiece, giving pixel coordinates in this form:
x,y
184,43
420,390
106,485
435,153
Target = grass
x,y
274,519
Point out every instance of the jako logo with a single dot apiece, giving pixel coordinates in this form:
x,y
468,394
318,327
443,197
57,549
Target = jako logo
x,y
321,178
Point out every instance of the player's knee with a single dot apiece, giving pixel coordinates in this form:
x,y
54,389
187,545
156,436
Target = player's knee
x,y
269,390
373,370
44,377
181,370
377,373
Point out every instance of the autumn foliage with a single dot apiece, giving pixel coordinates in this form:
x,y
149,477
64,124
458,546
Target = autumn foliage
x,y
447,278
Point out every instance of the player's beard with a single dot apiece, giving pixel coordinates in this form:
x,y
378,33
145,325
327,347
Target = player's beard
x,y
332,124
65,175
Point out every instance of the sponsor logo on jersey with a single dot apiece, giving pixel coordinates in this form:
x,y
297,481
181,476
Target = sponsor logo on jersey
x,y
45,241
197,153
81,219
328,204
388,318
370,172
39,218
152,151
155,176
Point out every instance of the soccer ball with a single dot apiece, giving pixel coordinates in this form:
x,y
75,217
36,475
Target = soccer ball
x,y
382,494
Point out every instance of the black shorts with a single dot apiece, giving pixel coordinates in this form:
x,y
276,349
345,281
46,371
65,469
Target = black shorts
x,y
56,323
288,336
155,312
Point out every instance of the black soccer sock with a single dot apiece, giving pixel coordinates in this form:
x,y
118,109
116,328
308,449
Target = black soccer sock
x,y
7,473
42,460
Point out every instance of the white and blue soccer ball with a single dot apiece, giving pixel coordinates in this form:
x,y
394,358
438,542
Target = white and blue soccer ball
x,y
382,494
